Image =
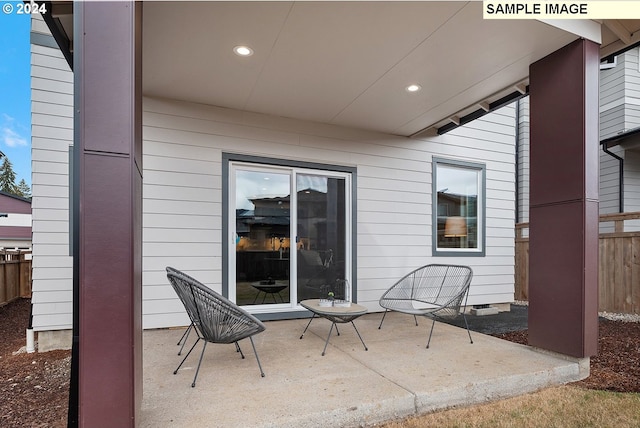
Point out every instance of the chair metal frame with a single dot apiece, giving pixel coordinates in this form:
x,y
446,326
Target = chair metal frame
x,y
214,318
435,291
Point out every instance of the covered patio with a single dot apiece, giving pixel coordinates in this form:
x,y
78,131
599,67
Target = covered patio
x,y
344,68
348,386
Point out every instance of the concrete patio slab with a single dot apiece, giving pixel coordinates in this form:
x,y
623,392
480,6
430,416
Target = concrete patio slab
x,y
348,386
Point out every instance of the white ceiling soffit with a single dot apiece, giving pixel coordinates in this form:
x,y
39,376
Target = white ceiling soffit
x,y
585,28
617,34
344,63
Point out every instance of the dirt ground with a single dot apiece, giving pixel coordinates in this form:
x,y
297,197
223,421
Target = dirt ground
x,y
35,387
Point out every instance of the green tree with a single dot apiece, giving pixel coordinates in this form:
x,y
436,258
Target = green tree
x,y
8,177
23,189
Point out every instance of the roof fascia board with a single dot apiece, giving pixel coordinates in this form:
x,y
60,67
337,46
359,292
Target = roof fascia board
x,y
11,195
618,47
64,44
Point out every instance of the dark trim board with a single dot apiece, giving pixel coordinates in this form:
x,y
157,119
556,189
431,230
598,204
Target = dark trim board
x,y
506,100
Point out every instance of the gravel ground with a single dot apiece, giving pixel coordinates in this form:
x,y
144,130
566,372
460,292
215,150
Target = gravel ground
x,y
35,387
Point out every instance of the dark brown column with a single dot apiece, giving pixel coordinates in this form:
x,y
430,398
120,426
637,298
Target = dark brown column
x,y
563,266
107,72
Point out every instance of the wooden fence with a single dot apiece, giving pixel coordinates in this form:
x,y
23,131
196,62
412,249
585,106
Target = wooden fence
x,y
15,275
619,266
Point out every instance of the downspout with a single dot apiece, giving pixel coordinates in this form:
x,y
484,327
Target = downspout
x,y
31,343
517,213
620,177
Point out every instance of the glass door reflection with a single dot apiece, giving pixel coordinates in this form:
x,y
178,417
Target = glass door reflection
x,y
321,231
263,223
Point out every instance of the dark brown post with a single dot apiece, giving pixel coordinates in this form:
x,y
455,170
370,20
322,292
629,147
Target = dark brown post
x,y
108,188
563,266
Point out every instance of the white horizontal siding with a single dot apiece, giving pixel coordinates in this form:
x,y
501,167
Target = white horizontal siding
x,y
523,161
612,82
53,98
183,145
612,122
38,25
52,134
14,219
45,249
632,115
182,193
620,96
52,296
47,69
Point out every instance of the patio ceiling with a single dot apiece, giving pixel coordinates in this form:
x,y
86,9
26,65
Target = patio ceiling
x,y
348,63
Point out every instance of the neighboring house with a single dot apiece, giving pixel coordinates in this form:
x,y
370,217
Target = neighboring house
x,y
619,139
15,222
620,136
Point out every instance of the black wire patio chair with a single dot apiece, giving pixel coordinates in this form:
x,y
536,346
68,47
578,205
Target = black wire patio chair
x,y
214,318
184,299
433,291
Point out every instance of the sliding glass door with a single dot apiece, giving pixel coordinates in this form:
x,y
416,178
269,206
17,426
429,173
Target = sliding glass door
x,y
287,245
322,241
262,236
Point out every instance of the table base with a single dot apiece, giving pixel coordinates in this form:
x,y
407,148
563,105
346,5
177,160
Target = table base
x,y
335,320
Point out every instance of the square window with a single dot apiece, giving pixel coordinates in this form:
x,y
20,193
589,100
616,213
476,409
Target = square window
x,y
458,208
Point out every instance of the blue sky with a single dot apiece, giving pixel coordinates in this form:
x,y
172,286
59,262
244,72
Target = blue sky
x,y
15,95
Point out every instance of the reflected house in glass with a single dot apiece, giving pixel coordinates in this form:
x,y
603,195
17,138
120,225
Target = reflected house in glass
x,y
321,230
457,220
263,242
262,247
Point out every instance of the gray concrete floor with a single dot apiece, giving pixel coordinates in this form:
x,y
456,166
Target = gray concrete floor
x,y
348,386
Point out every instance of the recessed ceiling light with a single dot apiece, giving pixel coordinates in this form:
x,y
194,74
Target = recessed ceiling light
x,y
243,51
413,88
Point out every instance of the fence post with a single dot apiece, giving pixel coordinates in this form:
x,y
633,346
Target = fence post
x,y
25,276
619,226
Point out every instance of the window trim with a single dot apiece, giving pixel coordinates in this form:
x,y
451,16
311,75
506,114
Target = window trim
x,y
482,229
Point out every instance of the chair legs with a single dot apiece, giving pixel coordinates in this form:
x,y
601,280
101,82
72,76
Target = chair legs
x,y
465,323
195,377
184,338
431,332
385,314
186,356
193,384
382,320
256,354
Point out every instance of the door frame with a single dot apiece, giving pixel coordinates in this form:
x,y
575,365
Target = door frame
x,y
227,159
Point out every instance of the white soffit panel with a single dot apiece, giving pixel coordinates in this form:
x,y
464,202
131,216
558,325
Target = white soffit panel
x,y
585,28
